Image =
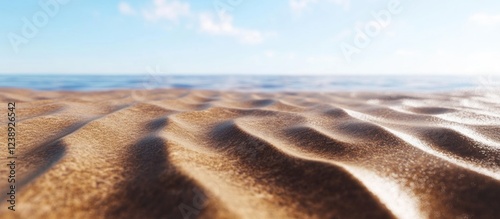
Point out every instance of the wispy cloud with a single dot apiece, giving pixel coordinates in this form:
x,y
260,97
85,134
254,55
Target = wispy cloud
x,y
485,19
126,9
175,10
298,6
225,27
167,10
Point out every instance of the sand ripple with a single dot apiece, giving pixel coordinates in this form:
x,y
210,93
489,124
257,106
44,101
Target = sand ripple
x,y
208,154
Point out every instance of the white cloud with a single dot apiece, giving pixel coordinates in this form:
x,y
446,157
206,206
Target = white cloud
x,y
175,10
485,19
126,9
224,27
300,5
166,9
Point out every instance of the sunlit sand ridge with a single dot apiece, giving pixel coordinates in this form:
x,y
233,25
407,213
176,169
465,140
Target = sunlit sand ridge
x,y
207,154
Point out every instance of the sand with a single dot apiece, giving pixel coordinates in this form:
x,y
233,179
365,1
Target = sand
x,y
208,154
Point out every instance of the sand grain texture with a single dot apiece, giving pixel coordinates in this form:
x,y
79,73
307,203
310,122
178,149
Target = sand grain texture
x,y
208,154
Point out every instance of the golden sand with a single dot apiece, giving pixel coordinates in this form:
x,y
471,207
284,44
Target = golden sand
x,y
207,154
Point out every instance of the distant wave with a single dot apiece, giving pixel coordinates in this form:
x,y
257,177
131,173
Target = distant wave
x,y
249,83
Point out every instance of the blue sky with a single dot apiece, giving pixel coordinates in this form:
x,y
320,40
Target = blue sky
x,y
305,37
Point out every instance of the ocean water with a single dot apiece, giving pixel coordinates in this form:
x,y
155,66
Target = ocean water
x,y
249,83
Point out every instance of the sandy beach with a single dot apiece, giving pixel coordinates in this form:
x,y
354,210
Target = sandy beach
x,y
208,154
